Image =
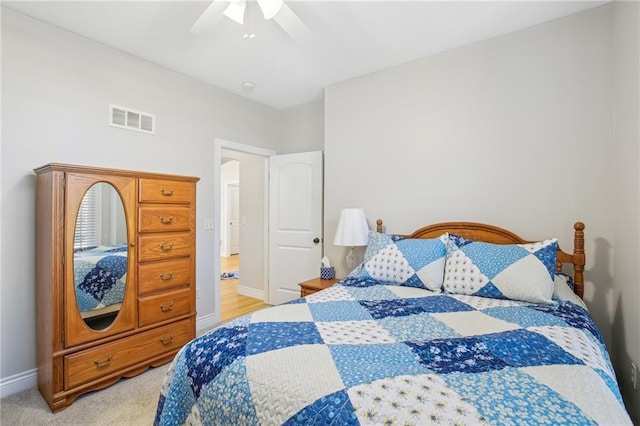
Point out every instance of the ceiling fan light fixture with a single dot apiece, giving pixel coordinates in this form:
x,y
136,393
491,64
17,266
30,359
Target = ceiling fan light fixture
x,y
277,10
270,8
235,11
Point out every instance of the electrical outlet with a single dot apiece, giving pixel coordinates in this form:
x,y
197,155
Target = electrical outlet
x,y
208,224
197,292
634,376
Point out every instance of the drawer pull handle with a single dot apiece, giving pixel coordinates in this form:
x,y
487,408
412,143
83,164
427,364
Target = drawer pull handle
x,y
166,221
103,364
168,193
167,277
166,309
166,342
166,248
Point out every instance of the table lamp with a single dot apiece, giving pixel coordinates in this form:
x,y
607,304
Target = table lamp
x,y
352,231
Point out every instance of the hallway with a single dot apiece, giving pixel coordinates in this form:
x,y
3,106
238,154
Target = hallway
x,y
233,304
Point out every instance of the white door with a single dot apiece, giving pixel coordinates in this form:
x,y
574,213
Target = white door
x,y
233,215
295,223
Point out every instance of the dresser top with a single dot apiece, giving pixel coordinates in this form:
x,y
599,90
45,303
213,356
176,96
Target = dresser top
x,y
73,168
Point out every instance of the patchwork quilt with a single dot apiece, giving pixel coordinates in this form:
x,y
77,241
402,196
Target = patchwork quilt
x,y
100,276
361,352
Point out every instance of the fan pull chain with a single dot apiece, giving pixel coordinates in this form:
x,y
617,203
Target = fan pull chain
x,y
250,35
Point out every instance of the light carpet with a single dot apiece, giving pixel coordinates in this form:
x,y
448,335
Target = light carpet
x,y
129,402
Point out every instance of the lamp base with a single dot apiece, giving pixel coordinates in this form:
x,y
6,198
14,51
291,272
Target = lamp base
x,y
352,260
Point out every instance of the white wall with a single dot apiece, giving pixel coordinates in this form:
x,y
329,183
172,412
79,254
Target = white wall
x,y
625,289
515,131
303,128
56,88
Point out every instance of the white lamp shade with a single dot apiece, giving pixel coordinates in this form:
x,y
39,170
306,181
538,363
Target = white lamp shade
x,y
352,229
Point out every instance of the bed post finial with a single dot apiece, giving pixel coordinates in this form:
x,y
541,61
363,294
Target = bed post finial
x,y
578,258
379,226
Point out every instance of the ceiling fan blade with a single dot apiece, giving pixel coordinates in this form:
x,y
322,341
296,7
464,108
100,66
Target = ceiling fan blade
x,y
292,25
235,11
270,7
209,18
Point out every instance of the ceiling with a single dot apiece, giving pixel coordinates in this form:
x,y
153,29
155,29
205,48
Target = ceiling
x,y
349,38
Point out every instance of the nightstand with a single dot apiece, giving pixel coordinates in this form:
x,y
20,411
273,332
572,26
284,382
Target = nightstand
x,y
315,284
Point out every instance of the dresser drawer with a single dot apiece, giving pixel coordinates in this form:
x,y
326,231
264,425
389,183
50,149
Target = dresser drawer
x,y
164,306
112,357
165,246
164,274
166,191
164,218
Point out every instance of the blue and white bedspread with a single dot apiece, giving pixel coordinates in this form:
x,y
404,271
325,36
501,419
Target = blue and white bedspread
x,y
369,353
100,274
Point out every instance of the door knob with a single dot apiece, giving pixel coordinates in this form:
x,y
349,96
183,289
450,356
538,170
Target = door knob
x,y
316,240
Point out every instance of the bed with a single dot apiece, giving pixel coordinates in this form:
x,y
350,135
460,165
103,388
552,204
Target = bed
x,y
100,276
456,323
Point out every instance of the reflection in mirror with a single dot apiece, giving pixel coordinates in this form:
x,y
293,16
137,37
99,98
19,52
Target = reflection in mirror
x,y
100,255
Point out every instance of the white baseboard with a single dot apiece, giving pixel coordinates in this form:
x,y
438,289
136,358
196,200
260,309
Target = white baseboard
x,y
251,292
18,382
206,321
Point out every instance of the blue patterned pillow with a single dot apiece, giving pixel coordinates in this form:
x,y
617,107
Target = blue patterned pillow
x,y
404,261
501,271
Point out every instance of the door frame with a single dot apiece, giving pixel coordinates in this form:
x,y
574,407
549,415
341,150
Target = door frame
x,y
218,146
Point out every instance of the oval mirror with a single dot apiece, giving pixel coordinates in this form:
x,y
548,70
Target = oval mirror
x,y
100,255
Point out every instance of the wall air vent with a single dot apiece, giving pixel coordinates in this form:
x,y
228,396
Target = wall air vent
x,y
126,118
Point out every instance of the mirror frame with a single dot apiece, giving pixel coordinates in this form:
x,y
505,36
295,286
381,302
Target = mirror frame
x,y
77,184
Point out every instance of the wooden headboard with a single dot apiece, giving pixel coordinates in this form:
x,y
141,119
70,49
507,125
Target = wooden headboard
x,y
496,235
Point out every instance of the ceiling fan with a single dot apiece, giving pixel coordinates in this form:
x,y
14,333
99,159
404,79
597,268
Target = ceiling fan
x,y
235,10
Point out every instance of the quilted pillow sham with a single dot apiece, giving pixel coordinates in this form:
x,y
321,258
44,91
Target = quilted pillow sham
x,y
404,261
563,290
501,271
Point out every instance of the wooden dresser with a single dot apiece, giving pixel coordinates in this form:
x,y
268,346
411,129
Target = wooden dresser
x,y
115,272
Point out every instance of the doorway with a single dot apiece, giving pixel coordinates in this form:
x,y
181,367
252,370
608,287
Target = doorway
x,y
245,291
233,302
266,262
230,207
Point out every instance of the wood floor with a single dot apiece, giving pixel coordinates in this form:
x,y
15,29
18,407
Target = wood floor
x,y
233,304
